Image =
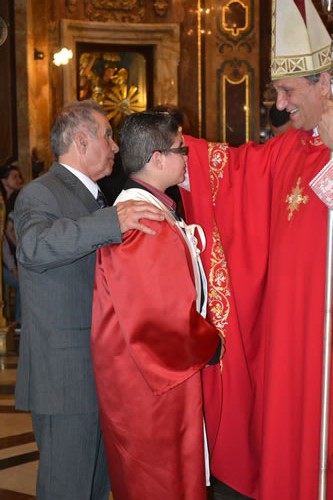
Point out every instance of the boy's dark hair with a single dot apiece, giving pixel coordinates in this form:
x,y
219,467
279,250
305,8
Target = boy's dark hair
x,y
142,134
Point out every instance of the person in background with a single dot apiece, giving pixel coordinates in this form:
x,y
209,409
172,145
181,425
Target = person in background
x,y
149,336
11,181
60,222
279,120
179,115
266,233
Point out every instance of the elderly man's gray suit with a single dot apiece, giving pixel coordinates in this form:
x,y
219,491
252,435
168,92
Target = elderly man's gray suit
x,y
59,226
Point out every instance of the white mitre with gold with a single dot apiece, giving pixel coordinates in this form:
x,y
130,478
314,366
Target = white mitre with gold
x,y
301,44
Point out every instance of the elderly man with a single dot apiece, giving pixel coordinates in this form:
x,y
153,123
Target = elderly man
x,y
267,231
59,226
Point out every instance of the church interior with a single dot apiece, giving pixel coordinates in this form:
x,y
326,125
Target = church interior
x,y
209,58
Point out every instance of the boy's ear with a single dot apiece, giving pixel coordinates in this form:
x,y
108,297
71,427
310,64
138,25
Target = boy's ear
x,y
157,159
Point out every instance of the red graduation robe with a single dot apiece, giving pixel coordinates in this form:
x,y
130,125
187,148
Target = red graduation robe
x,y
149,344
266,236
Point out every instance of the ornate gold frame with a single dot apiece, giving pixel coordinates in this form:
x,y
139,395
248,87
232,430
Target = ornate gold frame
x,y
235,31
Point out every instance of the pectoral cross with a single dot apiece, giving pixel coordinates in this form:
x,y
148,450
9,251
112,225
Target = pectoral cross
x,y
295,199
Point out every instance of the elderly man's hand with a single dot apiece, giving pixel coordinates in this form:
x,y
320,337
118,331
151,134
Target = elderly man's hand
x,y
325,126
131,212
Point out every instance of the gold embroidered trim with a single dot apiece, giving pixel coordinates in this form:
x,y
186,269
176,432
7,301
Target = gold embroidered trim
x,y
219,285
295,199
218,157
218,279
315,141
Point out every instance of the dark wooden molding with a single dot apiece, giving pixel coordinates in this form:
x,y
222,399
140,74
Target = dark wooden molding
x,y
8,117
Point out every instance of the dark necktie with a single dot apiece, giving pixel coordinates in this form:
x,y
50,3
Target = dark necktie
x,y
101,200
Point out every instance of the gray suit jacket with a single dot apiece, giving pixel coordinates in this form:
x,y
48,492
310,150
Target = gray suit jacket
x,y
59,226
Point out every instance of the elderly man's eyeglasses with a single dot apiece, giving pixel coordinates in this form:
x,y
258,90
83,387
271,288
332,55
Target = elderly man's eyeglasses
x,y
182,150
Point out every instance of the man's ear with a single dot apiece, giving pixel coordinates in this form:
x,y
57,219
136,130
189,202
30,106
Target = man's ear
x,y
81,142
325,84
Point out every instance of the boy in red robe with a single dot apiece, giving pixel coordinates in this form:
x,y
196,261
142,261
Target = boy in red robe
x,y
149,336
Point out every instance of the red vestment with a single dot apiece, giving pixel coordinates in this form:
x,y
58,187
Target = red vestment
x,y
149,344
266,235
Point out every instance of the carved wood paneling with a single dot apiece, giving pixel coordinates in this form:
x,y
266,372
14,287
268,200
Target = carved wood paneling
x,y
235,89
115,10
8,124
232,70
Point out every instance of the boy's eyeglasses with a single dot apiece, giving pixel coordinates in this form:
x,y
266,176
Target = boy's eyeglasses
x,y
182,150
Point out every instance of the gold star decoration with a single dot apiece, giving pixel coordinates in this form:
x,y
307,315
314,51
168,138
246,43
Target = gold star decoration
x,y
295,199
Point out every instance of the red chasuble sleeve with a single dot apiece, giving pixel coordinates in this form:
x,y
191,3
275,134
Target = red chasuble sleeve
x,y
144,291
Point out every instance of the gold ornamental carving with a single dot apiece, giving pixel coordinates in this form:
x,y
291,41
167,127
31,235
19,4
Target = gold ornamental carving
x,y
236,26
161,7
235,18
71,6
115,10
